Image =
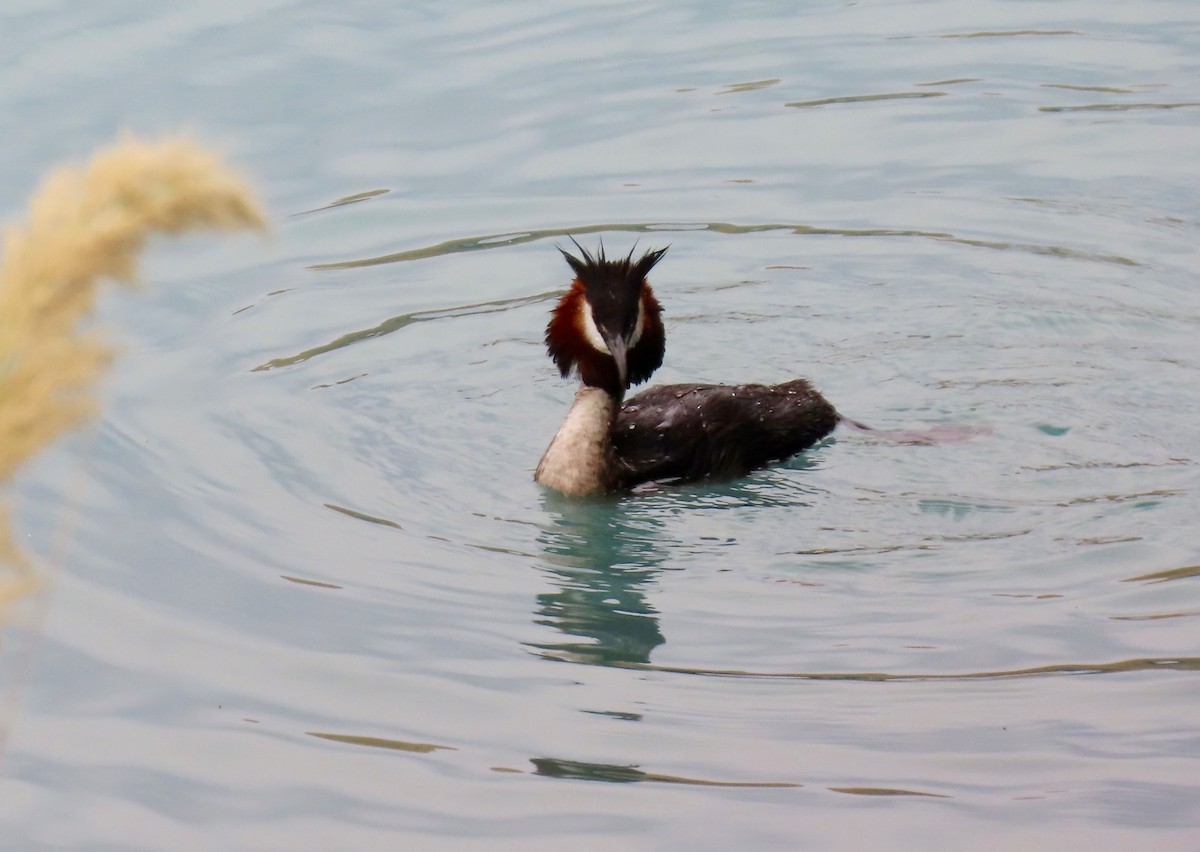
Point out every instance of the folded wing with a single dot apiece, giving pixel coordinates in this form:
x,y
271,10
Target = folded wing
x,y
694,431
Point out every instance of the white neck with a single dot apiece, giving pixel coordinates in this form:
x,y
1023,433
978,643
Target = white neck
x,y
581,459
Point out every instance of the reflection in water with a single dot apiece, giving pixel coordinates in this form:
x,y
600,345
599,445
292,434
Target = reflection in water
x,y
578,770
380,742
601,557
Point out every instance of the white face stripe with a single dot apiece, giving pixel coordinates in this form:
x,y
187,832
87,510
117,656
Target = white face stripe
x,y
638,326
590,332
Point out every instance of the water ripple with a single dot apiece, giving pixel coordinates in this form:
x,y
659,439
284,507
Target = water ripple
x,y
344,200
856,99
1184,573
579,770
500,240
381,742
1119,107
1181,664
396,323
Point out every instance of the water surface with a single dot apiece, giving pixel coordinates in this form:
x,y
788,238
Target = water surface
x,y
312,598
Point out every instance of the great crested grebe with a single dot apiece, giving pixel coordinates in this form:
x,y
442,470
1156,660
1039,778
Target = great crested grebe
x,y
608,327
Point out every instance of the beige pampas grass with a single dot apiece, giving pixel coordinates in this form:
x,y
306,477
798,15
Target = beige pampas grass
x,y
84,225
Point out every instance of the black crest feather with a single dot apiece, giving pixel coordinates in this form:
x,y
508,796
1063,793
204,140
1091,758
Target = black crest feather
x,y
597,268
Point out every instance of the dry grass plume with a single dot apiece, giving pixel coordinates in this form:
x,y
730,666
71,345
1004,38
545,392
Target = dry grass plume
x,y
87,224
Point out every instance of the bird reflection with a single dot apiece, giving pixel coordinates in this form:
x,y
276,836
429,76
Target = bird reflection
x,y
601,557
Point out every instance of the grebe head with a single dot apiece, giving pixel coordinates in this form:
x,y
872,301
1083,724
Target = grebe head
x,y
608,325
